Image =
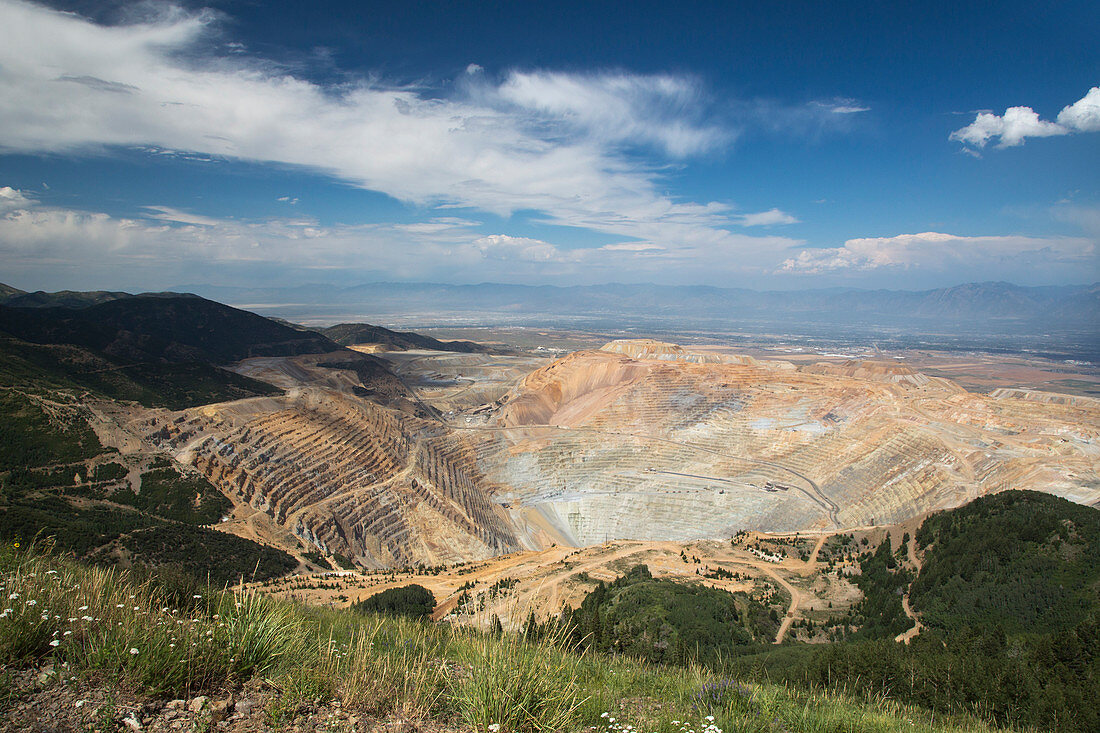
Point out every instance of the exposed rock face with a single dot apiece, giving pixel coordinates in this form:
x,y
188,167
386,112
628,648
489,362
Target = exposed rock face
x,y
345,475
659,450
661,351
878,371
604,445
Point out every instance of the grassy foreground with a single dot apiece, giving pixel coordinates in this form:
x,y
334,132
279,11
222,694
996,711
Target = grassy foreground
x,y
171,641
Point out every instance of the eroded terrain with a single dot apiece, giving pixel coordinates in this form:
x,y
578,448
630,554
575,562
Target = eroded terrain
x,y
463,457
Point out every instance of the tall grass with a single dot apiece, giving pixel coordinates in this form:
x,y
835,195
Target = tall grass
x,y
518,685
388,666
112,624
99,619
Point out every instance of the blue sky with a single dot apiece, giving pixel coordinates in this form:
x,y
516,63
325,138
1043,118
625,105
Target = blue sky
x,y
769,145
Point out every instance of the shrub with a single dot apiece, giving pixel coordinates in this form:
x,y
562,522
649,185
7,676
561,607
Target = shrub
x,y
413,601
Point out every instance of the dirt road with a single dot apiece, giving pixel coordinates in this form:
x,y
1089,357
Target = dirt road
x,y
904,637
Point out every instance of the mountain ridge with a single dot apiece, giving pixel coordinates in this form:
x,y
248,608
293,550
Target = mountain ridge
x,y
157,328
1006,304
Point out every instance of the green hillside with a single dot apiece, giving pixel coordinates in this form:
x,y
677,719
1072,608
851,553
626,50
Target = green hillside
x,y
162,328
347,334
1019,560
658,620
38,367
1009,594
57,481
308,668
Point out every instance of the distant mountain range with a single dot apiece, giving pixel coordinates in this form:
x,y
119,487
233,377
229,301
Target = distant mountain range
x,y
1062,321
998,306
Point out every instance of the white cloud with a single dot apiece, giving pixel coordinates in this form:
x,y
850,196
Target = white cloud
x,y
841,106
540,141
1019,123
165,213
1084,114
617,108
941,252
632,247
41,243
522,249
12,199
766,218
810,120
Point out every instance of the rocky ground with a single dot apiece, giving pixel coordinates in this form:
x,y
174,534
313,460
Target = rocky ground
x,y
49,700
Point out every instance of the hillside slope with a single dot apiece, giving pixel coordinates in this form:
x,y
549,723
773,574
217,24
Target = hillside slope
x,y
173,328
349,334
1018,560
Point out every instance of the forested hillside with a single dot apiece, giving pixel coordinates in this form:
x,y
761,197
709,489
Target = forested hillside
x,y
57,482
1009,594
1019,560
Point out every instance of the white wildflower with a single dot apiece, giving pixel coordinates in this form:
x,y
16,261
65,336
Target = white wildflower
x,y
55,642
133,650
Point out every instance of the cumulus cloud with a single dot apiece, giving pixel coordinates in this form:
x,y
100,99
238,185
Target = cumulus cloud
x,y
941,252
165,247
504,247
1084,114
766,218
12,199
1019,123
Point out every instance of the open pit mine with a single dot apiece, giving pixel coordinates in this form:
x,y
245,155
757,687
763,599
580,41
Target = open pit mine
x,y
469,456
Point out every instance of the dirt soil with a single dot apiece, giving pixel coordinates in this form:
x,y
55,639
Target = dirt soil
x,y
54,701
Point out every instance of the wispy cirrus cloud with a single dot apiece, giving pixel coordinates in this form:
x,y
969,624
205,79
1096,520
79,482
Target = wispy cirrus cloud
x,y
618,108
167,213
550,142
1019,123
